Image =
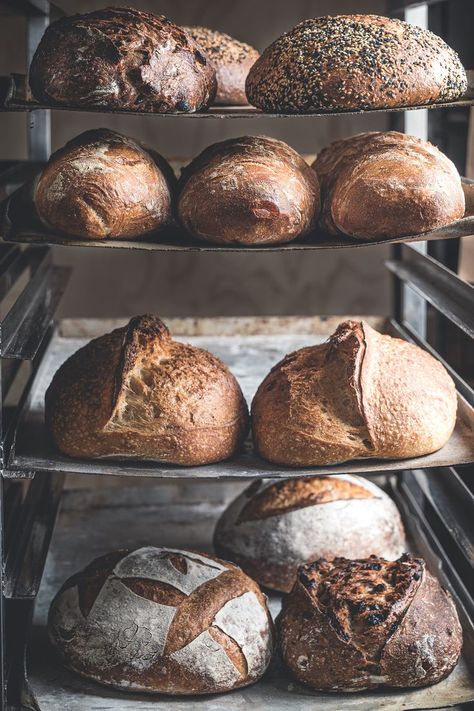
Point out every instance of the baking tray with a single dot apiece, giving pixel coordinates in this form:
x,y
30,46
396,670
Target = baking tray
x,y
88,527
249,352
20,224
16,96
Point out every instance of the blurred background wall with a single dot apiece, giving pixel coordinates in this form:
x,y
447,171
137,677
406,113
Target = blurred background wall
x,y
107,283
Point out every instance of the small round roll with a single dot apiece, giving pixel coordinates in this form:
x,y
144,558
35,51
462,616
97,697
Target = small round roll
x,y
104,185
251,190
273,527
230,58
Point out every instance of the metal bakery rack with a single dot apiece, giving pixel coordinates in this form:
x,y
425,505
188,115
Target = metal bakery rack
x,y
433,307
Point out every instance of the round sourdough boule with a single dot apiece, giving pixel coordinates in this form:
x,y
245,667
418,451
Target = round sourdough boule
x,y
137,393
387,184
275,526
163,620
360,395
230,58
352,62
250,190
121,58
102,185
351,625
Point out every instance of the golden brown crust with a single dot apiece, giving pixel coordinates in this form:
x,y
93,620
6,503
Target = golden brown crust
x,y
354,62
137,393
274,526
350,625
105,185
386,184
172,643
359,395
230,58
121,58
248,190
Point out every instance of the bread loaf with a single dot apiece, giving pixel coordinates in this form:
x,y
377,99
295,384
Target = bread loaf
x,y
386,184
352,62
230,58
358,624
162,620
137,393
359,395
102,185
273,527
120,58
249,190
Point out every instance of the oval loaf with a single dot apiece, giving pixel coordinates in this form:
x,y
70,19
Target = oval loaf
x,y
104,185
344,62
137,393
249,190
162,620
121,58
350,625
230,58
387,184
359,395
275,526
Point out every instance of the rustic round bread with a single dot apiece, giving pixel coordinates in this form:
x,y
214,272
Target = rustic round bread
x,y
104,185
354,62
163,620
275,526
230,58
120,58
359,395
387,184
249,190
139,394
350,625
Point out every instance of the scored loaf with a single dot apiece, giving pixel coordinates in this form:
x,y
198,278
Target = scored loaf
x,y
354,62
350,625
249,190
102,184
230,58
121,58
137,393
275,526
162,620
386,184
359,395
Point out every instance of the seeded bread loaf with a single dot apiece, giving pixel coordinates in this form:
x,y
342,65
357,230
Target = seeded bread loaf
x,y
249,190
351,62
273,527
120,58
386,184
350,625
162,620
137,393
102,185
230,58
359,395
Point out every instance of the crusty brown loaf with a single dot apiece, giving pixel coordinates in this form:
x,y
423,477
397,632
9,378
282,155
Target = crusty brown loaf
x,y
386,184
163,620
120,58
357,624
230,58
354,62
273,527
137,393
359,395
103,184
248,190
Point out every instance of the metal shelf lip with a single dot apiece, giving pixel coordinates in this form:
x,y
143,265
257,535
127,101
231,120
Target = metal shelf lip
x,y
438,285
